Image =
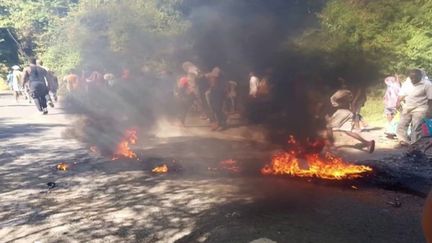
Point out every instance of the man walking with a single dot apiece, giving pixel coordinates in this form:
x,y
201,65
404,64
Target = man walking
x,y
216,98
36,76
417,97
51,82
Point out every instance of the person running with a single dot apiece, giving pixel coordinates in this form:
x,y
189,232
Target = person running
x,y
35,76
343,119
416,94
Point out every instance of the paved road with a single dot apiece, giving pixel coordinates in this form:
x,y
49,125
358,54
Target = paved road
x,y
99,200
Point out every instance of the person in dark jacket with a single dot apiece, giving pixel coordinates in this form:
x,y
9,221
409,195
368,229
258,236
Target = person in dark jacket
x,y
215,97
36,76
51,82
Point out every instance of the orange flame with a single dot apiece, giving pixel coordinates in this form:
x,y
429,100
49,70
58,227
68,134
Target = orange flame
x,y
315,165
123,149
160,169
62,166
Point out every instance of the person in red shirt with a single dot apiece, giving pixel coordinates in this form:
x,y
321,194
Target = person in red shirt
x,y
184,82
185,98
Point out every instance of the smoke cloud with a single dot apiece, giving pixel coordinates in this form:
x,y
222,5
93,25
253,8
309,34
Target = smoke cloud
x,y
238,36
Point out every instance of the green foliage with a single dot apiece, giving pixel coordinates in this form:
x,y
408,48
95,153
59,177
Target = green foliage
x,y
394,33
68,33
106,33
367,36
8,49
31,21
373,110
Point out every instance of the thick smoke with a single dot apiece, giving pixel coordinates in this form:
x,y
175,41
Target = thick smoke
x,y
244,36
238,36
262,36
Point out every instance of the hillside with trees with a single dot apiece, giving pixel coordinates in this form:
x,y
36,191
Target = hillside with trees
x,y
347,36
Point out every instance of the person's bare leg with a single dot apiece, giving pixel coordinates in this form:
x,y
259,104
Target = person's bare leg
x,y
357,136
366,143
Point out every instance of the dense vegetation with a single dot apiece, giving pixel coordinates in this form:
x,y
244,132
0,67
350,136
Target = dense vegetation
x,y
394,33
353,36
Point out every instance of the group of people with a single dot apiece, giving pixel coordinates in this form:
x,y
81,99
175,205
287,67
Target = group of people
x,y
259,87
207,93
212,95
91,81
415,103
412,99
35,82
213,98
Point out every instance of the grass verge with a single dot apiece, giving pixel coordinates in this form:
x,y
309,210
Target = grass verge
x,y
373,110
3,85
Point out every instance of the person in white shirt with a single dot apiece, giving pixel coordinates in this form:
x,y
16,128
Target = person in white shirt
x,y
416,93
253,85
16,81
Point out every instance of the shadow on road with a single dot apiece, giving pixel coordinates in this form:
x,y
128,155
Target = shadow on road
x,y
122,201
10,130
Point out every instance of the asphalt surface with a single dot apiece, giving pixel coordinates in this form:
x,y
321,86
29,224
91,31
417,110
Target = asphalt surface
x,y
100,200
